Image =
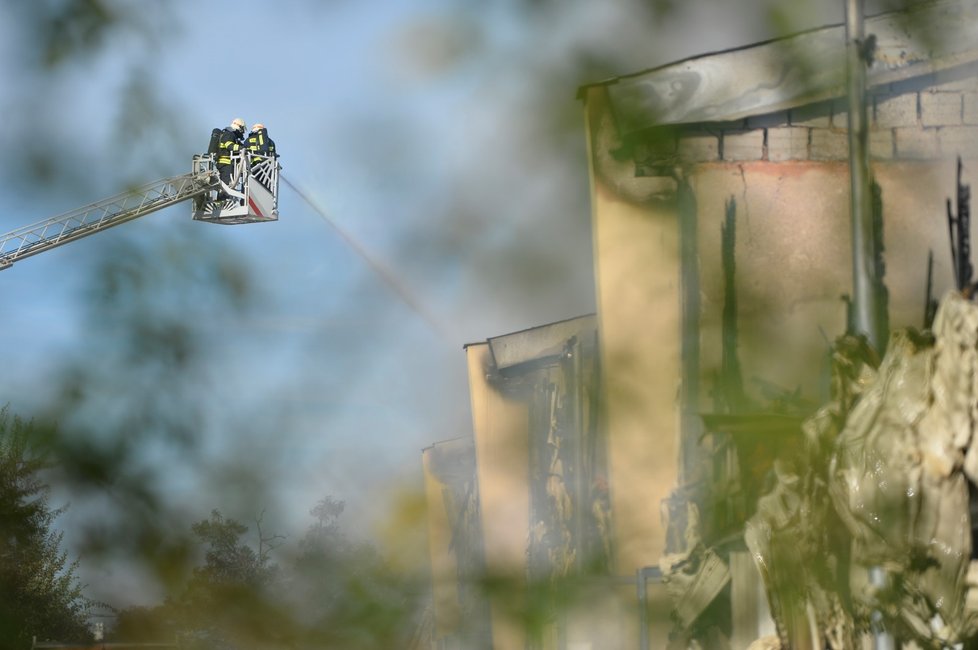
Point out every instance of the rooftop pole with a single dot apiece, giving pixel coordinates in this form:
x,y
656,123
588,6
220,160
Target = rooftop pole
x,y
866,300
866,286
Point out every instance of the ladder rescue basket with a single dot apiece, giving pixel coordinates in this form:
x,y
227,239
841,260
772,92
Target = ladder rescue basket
x,y
250,197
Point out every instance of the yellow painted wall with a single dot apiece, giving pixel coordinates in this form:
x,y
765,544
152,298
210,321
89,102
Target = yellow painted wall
x,y
502,469
636,252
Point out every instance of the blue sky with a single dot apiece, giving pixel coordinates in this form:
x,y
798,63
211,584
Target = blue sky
x,y
443,137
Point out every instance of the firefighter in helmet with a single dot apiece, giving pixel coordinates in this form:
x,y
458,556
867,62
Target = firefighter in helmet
x,y
229,144
259,144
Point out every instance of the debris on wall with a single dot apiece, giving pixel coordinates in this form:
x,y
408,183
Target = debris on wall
x,y
884,484
694,577
795,537
903,475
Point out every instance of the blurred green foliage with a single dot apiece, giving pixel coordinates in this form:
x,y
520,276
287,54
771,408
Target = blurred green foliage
x,y
40,595
323,591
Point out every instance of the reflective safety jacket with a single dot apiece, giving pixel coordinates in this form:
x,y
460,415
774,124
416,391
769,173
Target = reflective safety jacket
x,y
228,145
260,145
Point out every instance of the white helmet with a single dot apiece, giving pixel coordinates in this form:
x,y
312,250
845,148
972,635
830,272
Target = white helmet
x,y
238,124
256,126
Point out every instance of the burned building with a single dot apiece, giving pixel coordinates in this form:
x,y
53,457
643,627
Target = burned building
x,y
723,265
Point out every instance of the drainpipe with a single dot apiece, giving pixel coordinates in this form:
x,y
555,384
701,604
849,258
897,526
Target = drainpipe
x,y
575,391
689,282
642,578
867,297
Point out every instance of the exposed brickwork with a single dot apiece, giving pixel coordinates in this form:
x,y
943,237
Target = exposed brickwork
x,y
940,109
928,117
788,143
896,110
881,144
699,146
829,144
743,145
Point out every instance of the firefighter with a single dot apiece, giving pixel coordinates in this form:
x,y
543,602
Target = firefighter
x,y
259,144
229,144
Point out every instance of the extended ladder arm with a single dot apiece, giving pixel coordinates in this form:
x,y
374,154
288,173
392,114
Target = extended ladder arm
x,y
138,202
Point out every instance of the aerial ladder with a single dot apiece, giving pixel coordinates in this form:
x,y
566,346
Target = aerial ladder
x,y
251,196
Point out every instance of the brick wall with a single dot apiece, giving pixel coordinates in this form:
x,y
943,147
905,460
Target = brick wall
x,y
926,118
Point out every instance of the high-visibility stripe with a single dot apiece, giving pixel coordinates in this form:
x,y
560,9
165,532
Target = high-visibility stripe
x,y
254,207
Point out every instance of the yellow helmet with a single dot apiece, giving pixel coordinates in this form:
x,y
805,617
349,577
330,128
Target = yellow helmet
x,y
238,124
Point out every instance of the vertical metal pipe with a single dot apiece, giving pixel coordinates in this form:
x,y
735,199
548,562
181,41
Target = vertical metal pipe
x,y
865,299
575,393
643,615
689,281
